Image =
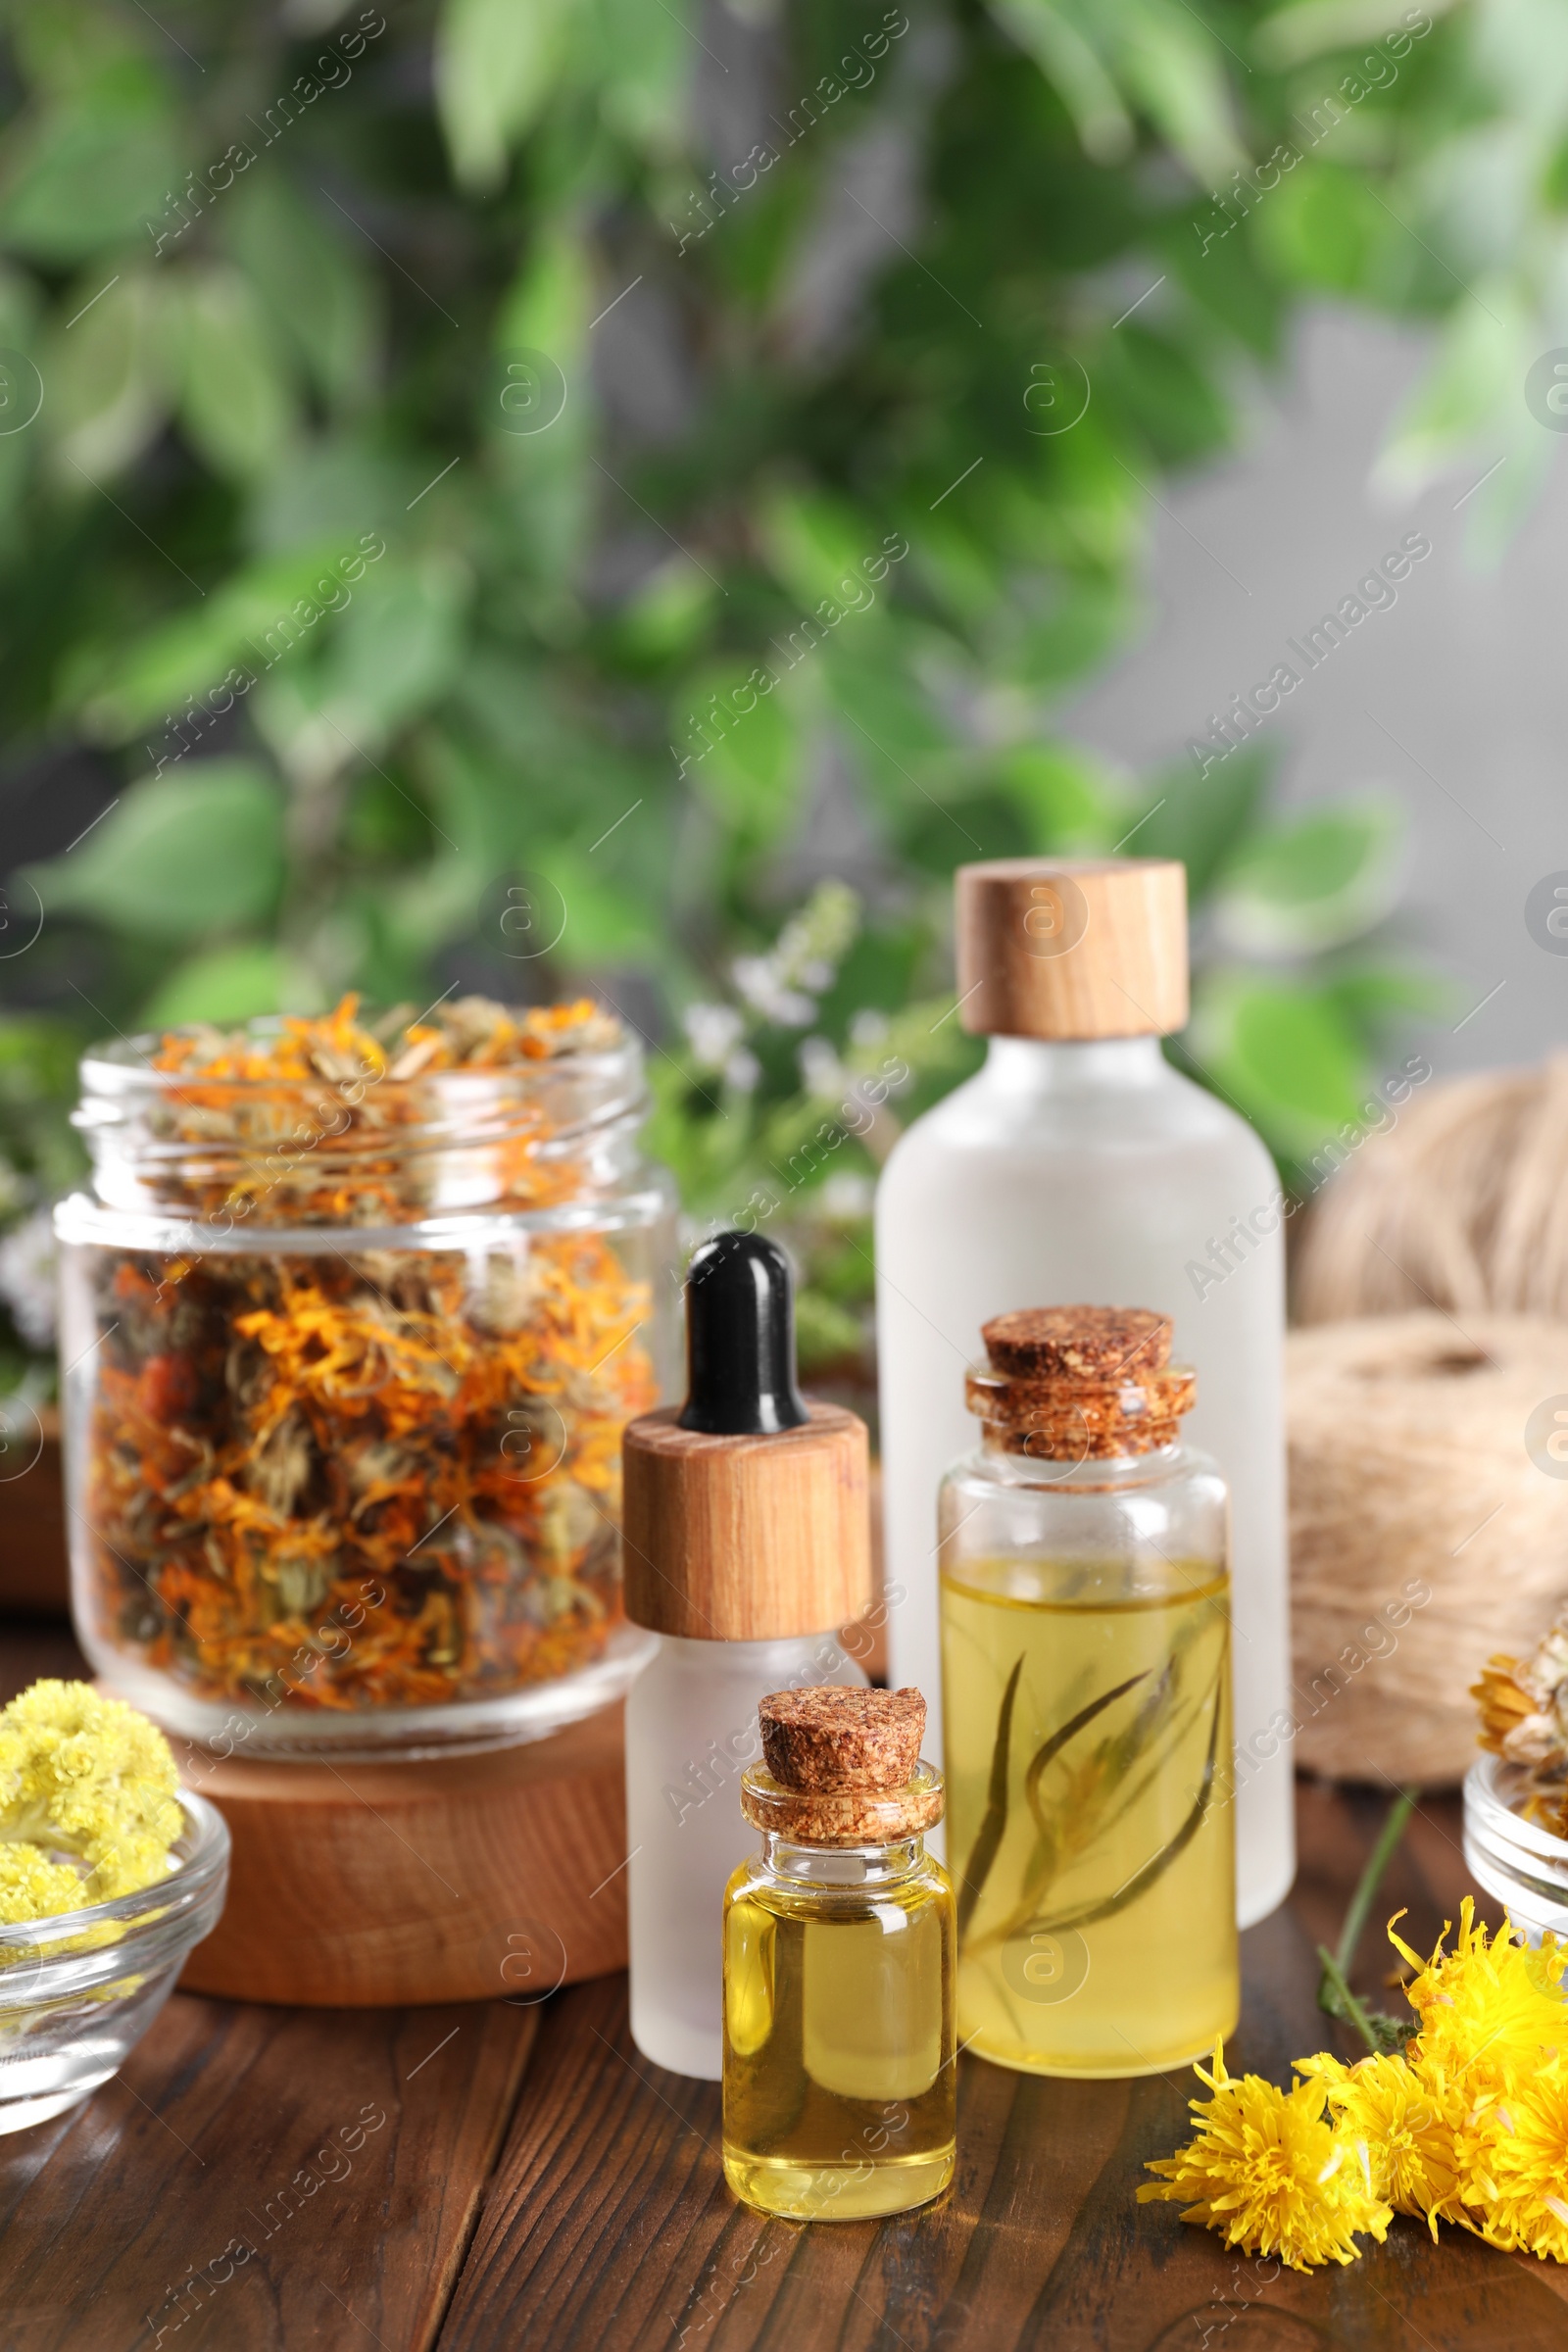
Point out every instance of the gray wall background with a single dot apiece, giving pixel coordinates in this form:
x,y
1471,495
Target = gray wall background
x,y
1454,700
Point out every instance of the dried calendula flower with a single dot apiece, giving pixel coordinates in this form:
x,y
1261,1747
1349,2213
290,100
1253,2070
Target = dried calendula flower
x,y
1523,1703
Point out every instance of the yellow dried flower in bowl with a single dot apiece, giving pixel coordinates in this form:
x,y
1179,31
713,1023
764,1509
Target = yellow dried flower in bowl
x,y
88,1801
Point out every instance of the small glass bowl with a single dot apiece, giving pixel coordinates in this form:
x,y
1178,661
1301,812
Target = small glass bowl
x,y
79,1991
1516,1861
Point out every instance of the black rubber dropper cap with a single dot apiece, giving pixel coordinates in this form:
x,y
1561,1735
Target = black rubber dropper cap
x,y
740,1340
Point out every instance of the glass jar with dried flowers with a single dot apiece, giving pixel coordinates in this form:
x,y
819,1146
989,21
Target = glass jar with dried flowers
x,y
351,1321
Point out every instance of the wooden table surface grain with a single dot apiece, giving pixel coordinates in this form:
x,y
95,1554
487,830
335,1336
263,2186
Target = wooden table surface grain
x,y
504,2178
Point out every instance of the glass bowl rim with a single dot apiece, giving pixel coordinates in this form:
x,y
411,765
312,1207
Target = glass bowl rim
x,y
1492,1812
192,1876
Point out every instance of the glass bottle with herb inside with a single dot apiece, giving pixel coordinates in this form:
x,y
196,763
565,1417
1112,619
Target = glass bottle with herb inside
x,y
1086,1681
840,2061
353,1317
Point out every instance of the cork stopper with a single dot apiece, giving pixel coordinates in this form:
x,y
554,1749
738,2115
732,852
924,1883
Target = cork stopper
x,y
1072,1384
827,1738
1072,946
745,1514
842,1767
1078,1343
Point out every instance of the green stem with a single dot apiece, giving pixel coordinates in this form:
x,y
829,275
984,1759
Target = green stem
x,y
1346,2005
1377,1862
1334,1994
1054,1747
1138,1886
988,1840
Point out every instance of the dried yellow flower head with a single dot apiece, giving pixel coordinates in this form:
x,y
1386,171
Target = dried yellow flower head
x,y
1524,1706
88,1801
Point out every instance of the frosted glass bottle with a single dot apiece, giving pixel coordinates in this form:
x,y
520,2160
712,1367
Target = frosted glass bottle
x,y
691,1722
1070,1171
747,1540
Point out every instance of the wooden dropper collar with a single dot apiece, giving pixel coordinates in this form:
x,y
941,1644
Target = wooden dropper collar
x,y
746,1514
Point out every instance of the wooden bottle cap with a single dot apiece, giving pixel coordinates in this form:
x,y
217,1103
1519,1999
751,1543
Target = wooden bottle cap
x,y
748,1538
842,1768
1072,946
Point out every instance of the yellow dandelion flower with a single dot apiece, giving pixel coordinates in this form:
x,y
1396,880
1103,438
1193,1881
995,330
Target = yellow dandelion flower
x,y
1268,2174
1486,2009
1524,2202
1405,2115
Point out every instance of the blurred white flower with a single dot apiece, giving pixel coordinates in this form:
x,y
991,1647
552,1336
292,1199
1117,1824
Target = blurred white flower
x,y
712,1031
784,984
823,1073
761,983
742,1070
847,1195
868,1027
28,1276
812,942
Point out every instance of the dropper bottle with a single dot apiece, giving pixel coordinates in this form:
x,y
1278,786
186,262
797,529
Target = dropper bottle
x,y
747,1545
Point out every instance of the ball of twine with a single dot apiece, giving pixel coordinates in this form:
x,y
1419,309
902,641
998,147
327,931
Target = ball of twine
x,y
1424,1536
1461,1205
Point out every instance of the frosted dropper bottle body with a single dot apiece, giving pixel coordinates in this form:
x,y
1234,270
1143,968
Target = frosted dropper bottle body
x,y
1079,1166
747,1544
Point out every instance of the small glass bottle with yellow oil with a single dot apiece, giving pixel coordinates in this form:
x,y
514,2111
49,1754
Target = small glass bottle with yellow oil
x,y
1086,1706
840,2065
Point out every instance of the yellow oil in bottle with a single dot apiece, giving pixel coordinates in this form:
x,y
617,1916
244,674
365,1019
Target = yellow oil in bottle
x,y
1088,1732
839,2092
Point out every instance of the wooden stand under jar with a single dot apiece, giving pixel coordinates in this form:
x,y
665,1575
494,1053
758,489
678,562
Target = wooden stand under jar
x,y
496,1876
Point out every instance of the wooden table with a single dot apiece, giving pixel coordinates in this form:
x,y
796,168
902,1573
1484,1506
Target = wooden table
x,y
535,2184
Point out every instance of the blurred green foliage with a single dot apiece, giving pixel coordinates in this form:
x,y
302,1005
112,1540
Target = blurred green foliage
x,y
470,439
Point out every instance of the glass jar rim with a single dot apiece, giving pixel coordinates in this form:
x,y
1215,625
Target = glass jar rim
x,y
283,1149
133,1056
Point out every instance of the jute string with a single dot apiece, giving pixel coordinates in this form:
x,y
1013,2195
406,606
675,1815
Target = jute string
x,y
1407,1452
1423,1536
1463,1205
